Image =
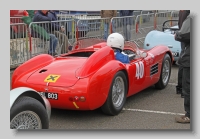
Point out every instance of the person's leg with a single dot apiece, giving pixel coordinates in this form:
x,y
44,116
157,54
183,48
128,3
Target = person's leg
x,y
53,44
128,27
63,41
113,26
179,85
186,93
105,31
186,90
124,28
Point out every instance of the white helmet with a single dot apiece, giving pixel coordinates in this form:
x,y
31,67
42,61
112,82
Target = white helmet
x,y
116,40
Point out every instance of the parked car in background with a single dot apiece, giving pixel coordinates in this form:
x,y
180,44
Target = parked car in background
x,y
164,37
17,27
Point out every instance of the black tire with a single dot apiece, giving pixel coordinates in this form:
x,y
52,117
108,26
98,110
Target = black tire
x,y
26,107
165,73
109,107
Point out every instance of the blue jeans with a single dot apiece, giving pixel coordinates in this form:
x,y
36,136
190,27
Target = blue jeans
x,y
106,31
106,27
53,43
127,32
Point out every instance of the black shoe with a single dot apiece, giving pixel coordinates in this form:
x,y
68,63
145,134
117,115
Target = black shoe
x,y
182,96
178,90
53,54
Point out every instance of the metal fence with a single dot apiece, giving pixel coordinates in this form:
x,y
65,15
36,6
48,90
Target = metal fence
x,y
125,26
18,44
27,42
144,23
94,28
161,17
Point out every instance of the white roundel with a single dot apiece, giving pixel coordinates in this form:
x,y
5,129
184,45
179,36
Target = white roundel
x,y
116,40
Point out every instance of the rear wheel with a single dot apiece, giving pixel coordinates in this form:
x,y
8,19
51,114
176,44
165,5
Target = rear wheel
x,y
117,95
165,73
28,113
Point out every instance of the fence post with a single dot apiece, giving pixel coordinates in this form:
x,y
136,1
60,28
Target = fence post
x,y
111,30
171,19
73,29
155,21
30,42
141,20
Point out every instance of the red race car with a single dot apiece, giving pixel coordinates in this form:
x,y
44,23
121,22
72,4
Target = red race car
x,y
89,78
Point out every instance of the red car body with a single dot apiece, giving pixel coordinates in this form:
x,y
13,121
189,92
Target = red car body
x,y
82,78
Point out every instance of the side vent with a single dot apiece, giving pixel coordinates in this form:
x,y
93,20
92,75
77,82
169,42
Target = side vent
x,y
154,69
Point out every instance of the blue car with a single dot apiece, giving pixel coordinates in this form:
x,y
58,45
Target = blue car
x,y
164,37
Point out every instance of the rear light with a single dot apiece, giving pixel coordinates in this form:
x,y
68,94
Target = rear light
x,y
82,98
76,98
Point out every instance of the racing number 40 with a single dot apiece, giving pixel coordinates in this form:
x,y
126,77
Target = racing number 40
x,y
139,70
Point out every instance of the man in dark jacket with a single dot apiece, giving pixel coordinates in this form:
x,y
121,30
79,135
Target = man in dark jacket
x,y
182,16
59,30
183,35
41,16
127,22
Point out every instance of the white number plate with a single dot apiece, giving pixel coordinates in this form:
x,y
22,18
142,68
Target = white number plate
x,y
51,95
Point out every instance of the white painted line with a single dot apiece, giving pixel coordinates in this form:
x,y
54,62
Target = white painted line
x,y
150,111
172,83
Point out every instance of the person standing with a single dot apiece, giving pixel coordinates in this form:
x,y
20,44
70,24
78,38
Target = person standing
x,y
182,16
40,16
58,30
183,35
108,14
127,22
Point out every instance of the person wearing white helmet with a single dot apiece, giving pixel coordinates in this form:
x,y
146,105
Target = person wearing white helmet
x,y
116,42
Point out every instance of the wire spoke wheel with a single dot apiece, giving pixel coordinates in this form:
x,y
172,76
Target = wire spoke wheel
x,y
165,72
26,120
117,95
28,113
118,92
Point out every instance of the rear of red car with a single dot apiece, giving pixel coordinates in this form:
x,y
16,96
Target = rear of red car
x,y
71,81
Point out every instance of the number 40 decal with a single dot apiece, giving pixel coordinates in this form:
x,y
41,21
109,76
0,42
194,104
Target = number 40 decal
x,y
139,70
